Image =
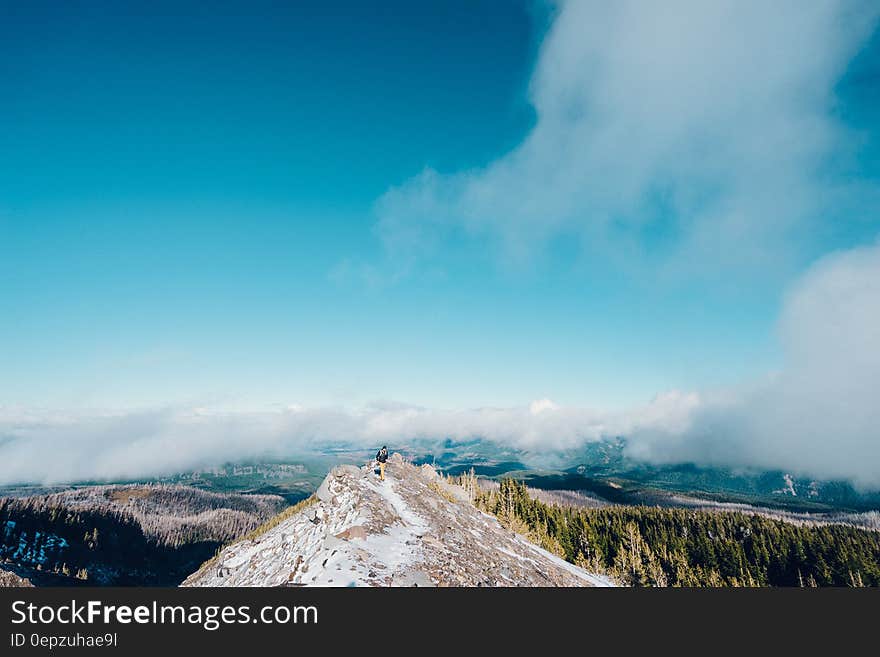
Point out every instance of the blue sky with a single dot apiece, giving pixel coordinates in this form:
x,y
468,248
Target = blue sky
x,y
226,204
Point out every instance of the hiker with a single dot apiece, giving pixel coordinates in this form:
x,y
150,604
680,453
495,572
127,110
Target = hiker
x,y
382,457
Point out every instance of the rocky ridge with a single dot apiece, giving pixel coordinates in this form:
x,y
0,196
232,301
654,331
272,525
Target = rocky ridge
x,y
413,529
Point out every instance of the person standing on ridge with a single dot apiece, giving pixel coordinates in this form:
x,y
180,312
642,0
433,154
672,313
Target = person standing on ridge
x,y
382,458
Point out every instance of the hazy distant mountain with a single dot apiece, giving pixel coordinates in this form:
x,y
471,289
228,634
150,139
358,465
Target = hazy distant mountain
x,y
604,467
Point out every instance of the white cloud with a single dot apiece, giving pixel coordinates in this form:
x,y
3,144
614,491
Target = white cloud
x,y
820,414
705,122
540,405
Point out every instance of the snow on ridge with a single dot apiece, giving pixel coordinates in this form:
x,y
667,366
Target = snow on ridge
x,y
411,530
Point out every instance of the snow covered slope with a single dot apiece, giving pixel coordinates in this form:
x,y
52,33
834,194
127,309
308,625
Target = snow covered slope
x,y
413,529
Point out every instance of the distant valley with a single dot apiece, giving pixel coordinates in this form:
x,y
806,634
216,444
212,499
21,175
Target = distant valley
x,y
602,469
157,532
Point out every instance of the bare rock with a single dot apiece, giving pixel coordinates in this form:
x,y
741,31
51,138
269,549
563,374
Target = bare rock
x,y
429,471
354,532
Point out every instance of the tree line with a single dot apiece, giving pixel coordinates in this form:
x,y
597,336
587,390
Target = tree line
x,y
653,546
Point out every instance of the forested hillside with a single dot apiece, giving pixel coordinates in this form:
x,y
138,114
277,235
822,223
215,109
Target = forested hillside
x,y
122,535
650,546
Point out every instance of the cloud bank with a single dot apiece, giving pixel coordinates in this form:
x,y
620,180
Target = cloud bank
x,y
819,415
686,131
57,448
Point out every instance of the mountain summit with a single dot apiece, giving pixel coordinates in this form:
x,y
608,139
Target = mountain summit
x,y
413,529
